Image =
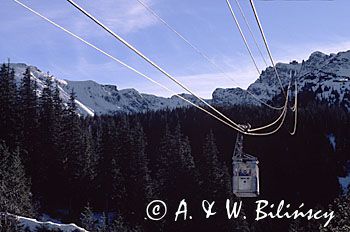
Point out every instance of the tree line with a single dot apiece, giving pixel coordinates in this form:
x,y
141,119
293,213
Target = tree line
x,y
102,171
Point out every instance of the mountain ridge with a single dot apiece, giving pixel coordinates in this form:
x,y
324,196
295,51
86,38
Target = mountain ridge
x,y
325,75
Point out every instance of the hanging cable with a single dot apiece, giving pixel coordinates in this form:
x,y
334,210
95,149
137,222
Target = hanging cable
x,y
271,132
270,124
148,60
295,109
202,54
251,31
281,123
122,63
266,45
285,108
138,72
151,62
249,50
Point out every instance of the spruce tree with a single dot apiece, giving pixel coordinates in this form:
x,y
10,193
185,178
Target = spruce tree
x,y
57,102
214,176
71,151
134,171
46,163
177,172
177,175
43,159
86,166
87,219
8,106
54,114
107,174
72,136
15,195
28,114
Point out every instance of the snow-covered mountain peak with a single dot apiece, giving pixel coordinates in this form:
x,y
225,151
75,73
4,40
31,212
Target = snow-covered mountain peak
x,y
94,98
317,55
326,75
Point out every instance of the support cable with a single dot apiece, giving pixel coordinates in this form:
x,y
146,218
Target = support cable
x,y
122,63
266,44
295,109
242,35
145,76
204,55
148,60
251,31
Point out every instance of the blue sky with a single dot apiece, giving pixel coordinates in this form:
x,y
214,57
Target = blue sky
x,y
294,29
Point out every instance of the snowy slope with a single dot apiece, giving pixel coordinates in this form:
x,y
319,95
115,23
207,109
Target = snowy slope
x,y
326,75
108,99
344,181
94,98
31,225
41,77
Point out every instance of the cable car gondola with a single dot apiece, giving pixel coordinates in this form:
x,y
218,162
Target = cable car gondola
x,y
245,179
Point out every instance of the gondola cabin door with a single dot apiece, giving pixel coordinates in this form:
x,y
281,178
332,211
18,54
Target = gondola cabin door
x,y
245,180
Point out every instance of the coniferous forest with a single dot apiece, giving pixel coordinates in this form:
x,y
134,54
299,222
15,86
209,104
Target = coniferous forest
x,y
101,172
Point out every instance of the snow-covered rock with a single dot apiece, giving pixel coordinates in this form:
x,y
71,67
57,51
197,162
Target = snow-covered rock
x,y
332,141
31,225
326,75
93,98
344,181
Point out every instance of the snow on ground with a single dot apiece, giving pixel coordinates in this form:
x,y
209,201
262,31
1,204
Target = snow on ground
x,y
344,182
332,141
85,108
327,75
33,224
